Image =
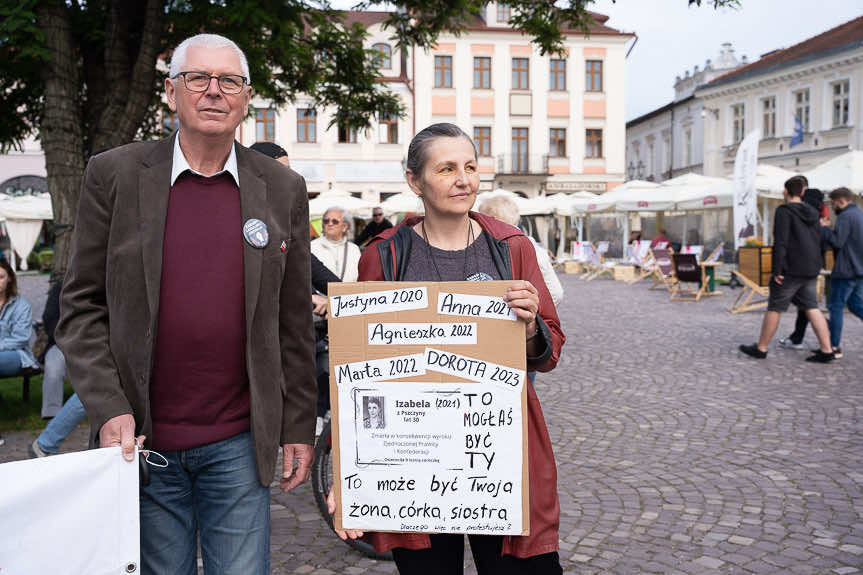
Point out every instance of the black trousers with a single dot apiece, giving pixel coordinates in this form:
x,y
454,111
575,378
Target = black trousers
x,y
446,557
799,326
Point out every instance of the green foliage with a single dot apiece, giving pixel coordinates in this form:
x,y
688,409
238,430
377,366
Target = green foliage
x,y
293,47
21,53
15,415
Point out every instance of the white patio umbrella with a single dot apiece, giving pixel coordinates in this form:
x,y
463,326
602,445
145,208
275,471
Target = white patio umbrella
x,y
24,216
402,203
718,195
842,171
640,196
770,180
582,203
331,198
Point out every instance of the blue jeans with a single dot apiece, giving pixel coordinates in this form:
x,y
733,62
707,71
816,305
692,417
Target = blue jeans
x,y
10,363
67,419
843,292
52,382
213,489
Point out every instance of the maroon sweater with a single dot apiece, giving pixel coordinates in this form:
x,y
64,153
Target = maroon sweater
x,y
199,392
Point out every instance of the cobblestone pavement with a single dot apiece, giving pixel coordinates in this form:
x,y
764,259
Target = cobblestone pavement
x,y
676,454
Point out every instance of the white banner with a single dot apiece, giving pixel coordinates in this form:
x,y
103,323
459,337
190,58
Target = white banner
x,y
745,196
70,514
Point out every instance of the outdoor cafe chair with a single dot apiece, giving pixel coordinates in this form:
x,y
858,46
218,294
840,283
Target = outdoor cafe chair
x,y
687,271
663,270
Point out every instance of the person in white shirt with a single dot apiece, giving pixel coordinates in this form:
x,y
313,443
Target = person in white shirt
x,y
504,209
341,256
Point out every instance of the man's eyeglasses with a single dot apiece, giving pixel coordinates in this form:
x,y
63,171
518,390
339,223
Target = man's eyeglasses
x,y
378,214
333,221
200,81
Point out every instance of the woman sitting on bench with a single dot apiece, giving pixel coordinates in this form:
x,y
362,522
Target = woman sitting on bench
x,y
16,325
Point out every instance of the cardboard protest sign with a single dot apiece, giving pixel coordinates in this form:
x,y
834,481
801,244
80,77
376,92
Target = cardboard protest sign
x,y
429,408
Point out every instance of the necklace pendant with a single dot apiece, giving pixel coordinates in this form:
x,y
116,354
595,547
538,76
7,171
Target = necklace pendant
x,y
479,277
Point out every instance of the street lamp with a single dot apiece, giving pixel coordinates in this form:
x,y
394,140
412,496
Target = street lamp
x,y
713,111
640,173
630,171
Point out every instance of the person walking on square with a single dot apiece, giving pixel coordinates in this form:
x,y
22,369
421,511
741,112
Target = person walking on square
x,y
846,279
185,320
797,260
814,198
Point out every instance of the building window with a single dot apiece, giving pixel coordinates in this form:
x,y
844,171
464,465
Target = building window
x,y
265,125
841,100
482,73
557,71
170,124
768,117
389,129
503,12
801,107
383,56
593,76
687,148
307,125
519,150
347,135
593,148
482,139
557,142
738,126
520,73
443,71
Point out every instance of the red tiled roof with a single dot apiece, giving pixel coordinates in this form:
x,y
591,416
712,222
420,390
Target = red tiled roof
x,y
843,37
370,18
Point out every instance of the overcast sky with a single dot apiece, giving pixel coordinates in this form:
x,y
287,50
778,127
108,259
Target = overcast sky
x,y
673,38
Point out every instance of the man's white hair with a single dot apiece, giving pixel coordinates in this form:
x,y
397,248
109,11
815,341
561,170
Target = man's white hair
x,y
178,59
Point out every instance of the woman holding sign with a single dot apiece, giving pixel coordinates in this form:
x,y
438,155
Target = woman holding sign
x,y
452,243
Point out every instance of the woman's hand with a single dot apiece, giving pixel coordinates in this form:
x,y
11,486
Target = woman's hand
x,y
523,299
320,304
343,534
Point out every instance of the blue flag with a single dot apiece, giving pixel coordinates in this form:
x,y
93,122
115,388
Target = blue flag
x,y
797,138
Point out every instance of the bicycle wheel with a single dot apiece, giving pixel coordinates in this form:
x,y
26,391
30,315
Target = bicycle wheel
x,y
322,480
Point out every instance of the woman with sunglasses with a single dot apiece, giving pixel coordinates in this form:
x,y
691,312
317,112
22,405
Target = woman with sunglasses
x,y
340,255
453,243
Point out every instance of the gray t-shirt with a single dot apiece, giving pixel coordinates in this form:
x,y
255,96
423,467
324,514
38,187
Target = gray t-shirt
x,y
426,262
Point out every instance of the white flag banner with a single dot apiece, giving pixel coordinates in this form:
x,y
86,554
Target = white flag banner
x,y
745,196
70,514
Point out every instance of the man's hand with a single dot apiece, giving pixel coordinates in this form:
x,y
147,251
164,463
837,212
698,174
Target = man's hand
x,y
331,507
292,477
779,280
120,431
320,304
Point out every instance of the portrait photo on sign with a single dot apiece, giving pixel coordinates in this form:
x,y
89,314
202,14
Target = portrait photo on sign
x,y
373,412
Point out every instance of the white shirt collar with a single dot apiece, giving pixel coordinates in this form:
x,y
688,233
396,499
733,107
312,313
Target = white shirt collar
x,y
180,164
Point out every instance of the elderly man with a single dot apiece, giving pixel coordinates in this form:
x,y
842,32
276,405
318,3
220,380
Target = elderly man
x,y
341,256
185,319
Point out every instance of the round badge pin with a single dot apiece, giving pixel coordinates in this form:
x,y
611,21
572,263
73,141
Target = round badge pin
x,y
255,232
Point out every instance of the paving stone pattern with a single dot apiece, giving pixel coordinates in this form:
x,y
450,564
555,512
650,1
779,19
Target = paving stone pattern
x,y
676,454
